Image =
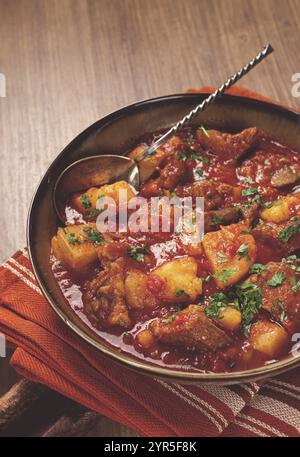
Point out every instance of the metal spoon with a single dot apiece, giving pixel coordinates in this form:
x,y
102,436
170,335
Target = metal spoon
x,y
104,169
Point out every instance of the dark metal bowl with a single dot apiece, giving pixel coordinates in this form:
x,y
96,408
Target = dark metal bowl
x,y
116,134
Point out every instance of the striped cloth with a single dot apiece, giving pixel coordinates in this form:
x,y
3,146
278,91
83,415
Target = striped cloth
x,y
50,353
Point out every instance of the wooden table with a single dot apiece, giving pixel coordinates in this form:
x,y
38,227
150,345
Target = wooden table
x,y
67,63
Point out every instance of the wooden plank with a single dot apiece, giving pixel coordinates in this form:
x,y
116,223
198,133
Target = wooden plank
x,y
70,62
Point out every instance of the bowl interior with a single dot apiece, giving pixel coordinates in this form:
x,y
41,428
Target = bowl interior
x,y
116,134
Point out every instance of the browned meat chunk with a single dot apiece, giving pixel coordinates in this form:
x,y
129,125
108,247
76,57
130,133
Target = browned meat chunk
x,y
169,177
214,193
283,239
228,146
213,219
285,176
190,327
279,288
104,296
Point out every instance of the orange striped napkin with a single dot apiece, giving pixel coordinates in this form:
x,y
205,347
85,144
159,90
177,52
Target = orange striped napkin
x,y
50,353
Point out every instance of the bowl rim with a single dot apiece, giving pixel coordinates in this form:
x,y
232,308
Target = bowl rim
x,y
143,366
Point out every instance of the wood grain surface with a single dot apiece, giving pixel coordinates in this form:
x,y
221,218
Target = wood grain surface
x,y
67,63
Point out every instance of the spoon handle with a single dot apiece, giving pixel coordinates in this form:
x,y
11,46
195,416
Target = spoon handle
x,y
208,101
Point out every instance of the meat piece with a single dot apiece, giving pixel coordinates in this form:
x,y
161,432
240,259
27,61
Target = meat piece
x,y
279,297
213,219
215,194
150,164
190,327
282,239
170,175
207,189
228,146
104,296
250,213
285,176
137,293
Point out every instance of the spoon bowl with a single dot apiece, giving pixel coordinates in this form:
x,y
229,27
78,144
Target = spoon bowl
x,y
93,171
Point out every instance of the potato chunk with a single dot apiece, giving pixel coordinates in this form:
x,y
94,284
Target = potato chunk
x,y
73,247
137,294
182,283
230,318
268,338
87,201
230,253
282,210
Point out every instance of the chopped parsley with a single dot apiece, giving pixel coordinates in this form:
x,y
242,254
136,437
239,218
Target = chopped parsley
x,y
72,239
180,292
218,302
94,212
283,309
257,268
138,252
224,275
249,298
267,204
199,172
169,319
222,258
93,235
243,251
277,279
249,191
216,220
203,159
85,201
181,156
288,232
247,180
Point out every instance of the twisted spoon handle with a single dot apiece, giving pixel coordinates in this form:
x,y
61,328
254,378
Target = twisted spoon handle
x,y
208,101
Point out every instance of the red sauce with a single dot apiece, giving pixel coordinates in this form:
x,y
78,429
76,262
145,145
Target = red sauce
x,y
254,172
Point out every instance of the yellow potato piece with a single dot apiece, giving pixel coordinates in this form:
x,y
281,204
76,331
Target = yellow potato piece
x,y
182,283
69,246
92,195
280,211
268,338
230,318
228,269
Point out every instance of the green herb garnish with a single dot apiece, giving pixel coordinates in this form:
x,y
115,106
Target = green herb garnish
x,y
93,235
283,309
218,302
138,252
224,275
181,156
85,201
257,268
180,292
72,239
243,251
249,299
169,319
277,279
288,232
216,220
249,191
